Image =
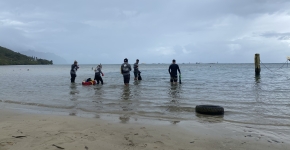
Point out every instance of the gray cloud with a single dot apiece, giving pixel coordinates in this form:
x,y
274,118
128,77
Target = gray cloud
x,y
279,36
154,31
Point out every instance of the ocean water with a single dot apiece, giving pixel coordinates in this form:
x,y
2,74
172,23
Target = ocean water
x,y
247,99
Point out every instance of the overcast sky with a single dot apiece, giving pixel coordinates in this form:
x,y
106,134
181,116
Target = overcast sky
x,y
154,31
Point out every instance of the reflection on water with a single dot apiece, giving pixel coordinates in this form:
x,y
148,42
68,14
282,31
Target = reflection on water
x,y
257,78
174,91
209,118
137,90
257,88
99,91
73,97
73,89
126,94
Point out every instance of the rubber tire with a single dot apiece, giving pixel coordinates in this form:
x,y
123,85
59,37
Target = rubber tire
x,y
209,109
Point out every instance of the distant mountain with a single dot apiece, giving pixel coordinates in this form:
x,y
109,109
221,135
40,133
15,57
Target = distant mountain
x,y
9,57
49,56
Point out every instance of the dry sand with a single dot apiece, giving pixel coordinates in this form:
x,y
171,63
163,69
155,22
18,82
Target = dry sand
x,y
54,132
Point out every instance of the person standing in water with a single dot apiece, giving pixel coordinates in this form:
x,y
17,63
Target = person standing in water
x,y
125,71
173,68
73,70
136,69
98,72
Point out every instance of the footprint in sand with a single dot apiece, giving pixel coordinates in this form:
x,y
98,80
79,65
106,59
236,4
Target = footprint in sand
x,y
167,137
158,142
91,138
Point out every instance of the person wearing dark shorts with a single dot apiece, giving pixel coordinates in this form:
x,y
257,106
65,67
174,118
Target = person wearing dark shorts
x,y
173,68
125,71
126,79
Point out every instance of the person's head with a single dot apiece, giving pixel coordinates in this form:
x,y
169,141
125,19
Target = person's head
x,y
99,66
125,60
75,62
137,61
173,61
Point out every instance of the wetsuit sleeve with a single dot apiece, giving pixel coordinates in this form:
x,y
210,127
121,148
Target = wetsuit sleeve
x,y
130,67
178,69
169,69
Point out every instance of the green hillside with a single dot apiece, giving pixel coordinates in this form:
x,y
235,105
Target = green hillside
x,y
9,57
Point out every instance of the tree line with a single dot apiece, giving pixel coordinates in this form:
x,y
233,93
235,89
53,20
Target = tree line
x,y
9,57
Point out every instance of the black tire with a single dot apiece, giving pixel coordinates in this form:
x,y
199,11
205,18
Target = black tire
x,y
209,109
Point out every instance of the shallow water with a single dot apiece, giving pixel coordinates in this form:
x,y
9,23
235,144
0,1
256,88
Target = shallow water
x,y
246,99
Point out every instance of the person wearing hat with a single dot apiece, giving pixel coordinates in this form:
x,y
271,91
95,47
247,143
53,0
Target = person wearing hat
x,y
136,69
73,70
173,68
125,71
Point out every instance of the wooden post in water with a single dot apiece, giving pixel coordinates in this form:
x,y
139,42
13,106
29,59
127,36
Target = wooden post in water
x,y
257,64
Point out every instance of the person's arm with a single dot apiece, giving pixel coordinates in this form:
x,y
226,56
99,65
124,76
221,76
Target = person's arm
x,y
101,72
169,69
178,69
135,66
130,67
121,69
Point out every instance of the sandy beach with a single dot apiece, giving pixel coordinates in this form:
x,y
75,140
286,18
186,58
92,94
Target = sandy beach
x,y
54,132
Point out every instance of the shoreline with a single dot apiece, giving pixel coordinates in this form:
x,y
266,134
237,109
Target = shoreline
x,y
42,131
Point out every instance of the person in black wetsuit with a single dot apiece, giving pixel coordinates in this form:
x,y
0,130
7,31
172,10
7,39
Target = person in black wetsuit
x,y
73,70
173,68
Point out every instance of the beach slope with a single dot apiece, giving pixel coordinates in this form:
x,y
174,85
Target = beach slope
x,y
35,132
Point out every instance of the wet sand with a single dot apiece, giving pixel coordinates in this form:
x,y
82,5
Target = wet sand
x,y
54,132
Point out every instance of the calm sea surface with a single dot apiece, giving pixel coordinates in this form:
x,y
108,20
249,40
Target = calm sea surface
x,y
246,99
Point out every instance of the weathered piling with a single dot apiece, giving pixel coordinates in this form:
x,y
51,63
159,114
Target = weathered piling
x,y
257,64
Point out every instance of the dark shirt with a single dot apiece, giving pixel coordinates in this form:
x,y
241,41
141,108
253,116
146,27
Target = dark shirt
x,y
74,69
173,69
98,72
136,69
